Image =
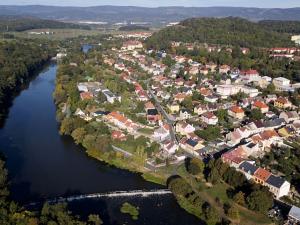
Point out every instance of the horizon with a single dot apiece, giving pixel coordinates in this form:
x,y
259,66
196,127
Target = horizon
x,y
137,6
268,4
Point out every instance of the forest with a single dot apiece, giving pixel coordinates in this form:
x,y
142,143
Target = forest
x,y
10,23
18,60
226,31
292,27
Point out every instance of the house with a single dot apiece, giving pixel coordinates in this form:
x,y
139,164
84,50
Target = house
x,y
204,70
211,98
152,114
282,103
287,131
250,75
118,135
282,84
184,128
289,116
224,69
237,135
294,215
122,122
111,97
86,96
236,112
191,146
83,115
162,133
169,147
278,186
200,109
248,169
180,97
173,107
131,45
185,114
235,157
261,176
264,108
209,118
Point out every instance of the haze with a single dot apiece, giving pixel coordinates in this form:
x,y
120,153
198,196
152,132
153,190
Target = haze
x,y
156,3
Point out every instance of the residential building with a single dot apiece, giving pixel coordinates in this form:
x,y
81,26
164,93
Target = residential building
x,y
264,108
282,103
236,112
209,118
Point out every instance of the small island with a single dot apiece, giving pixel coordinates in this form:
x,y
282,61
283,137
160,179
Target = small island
x,y
133,211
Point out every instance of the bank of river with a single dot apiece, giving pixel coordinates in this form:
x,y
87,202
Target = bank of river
x,y
42,164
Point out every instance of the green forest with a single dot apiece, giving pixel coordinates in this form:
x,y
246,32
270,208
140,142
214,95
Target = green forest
x,y
225,31
18,60
28,23
292,27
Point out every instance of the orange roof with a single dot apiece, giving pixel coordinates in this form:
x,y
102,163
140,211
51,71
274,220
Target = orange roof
x,y
236,109
149,105
180,96
262,174
268,134
208,115
118,116
282,100
86,95
260,105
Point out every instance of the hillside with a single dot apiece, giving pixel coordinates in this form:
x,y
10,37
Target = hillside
x,y
113,14
292,27
17,23
226,31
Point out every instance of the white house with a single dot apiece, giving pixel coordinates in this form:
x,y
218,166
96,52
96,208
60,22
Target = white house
x,y
209,118
184,128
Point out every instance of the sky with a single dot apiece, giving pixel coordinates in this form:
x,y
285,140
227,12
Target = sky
x,y
156,3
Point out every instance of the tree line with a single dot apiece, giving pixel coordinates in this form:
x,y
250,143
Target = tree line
x,y
28,23
225,31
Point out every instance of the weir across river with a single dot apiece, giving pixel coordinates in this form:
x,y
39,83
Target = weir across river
x,y
115,194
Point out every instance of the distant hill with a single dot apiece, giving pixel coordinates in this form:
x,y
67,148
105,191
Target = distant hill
x,y
225,31
142,14
19,23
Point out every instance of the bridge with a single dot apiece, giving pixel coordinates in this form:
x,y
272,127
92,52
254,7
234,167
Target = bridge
x,y
116,194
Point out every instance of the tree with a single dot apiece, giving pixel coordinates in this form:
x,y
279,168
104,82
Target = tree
x,y
195,166
94,220
256,114
78,135
211,215
233,212
260,201
239,198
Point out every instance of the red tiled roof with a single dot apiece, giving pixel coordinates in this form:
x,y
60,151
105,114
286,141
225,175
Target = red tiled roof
x,y
262,174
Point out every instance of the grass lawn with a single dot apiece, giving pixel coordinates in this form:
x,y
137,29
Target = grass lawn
x,y
219,190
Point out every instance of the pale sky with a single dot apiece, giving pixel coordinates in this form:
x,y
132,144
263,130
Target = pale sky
x,y
155,3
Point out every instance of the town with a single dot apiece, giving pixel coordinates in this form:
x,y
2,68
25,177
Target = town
x,y
179,108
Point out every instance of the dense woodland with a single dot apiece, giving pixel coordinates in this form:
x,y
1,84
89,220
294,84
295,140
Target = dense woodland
x,y
18,61
28,23
227,31
292,27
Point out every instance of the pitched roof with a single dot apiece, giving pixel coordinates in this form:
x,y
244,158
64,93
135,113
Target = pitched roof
x,y
275,181
262,174
248,168
236,109
260,105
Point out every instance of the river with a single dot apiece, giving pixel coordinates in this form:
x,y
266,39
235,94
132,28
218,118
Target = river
x,y
42,164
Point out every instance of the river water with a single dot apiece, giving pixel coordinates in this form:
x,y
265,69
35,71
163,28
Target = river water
x,y
42,164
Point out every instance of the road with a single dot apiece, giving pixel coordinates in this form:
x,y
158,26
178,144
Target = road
x,y
166,116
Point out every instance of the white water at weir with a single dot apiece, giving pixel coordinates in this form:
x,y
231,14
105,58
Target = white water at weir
x,y
116,194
